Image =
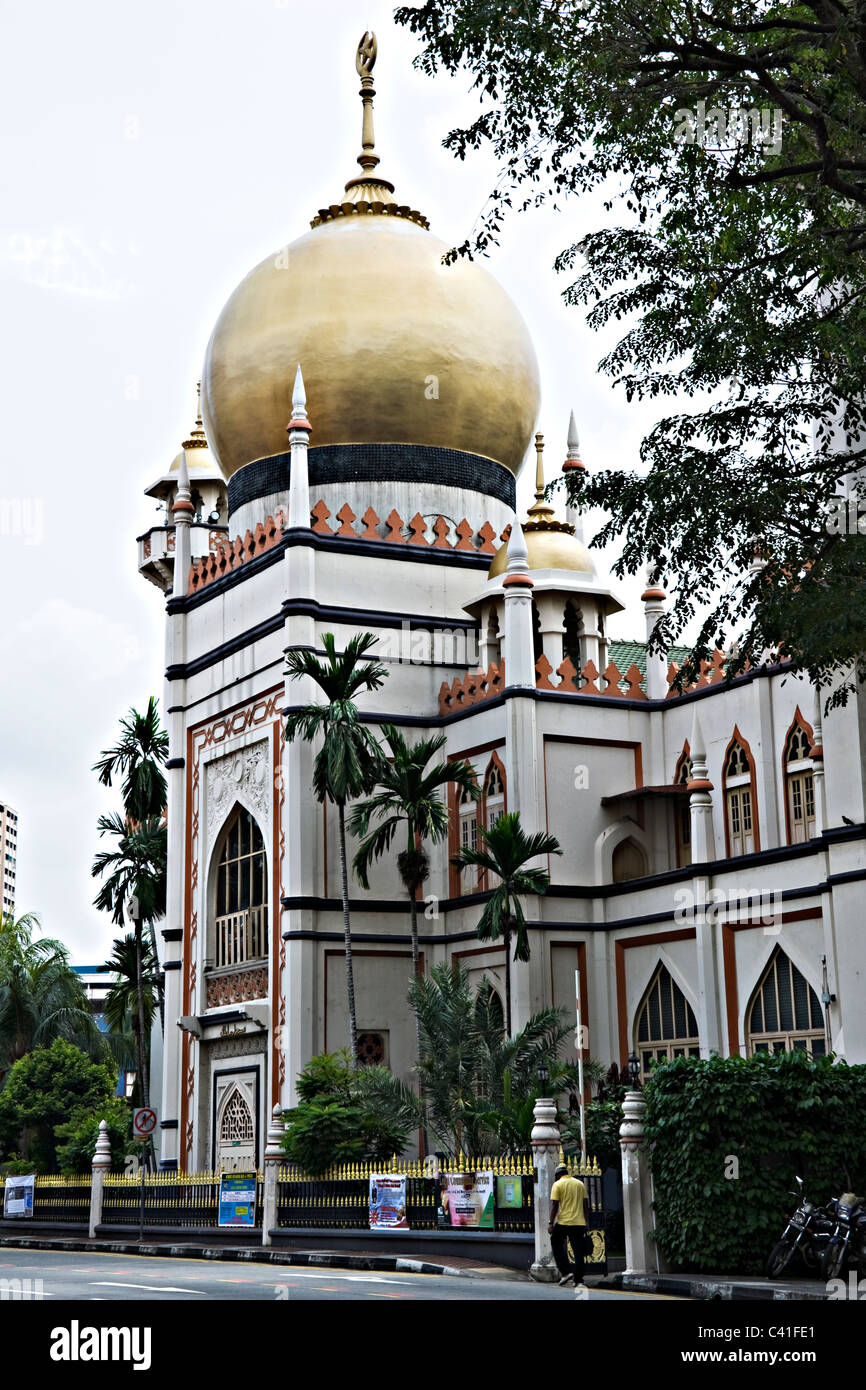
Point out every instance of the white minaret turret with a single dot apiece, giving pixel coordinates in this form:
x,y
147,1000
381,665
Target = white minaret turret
x,y
653,600
573,464
299,429
700,800
183,512
519,640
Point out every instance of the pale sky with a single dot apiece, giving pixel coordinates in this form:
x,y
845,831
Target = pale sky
x,y
150,156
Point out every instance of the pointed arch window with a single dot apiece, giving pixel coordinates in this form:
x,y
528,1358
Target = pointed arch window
x,y
785,1012
628,861
666,1024
236,1126
799,783
682,809
494,793
241,893
741,814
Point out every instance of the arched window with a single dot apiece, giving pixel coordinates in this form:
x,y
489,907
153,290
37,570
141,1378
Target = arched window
x,y
785,1012
467,837
628,861
494,793
666,1024
241,893
799,786
236,1126
741,816
682,809
572,620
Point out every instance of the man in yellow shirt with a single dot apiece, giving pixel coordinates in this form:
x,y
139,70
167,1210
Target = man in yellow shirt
x,y
567,1223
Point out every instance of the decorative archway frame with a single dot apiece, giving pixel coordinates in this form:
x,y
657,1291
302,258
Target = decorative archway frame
x,y
807,729
663,959
607,842
493,761
685,755
797,958
737,737
230,731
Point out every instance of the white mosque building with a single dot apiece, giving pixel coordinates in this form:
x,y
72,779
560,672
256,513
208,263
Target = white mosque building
x,y
711,887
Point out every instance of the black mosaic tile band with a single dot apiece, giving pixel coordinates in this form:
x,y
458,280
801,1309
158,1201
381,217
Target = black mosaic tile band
x,y
375,463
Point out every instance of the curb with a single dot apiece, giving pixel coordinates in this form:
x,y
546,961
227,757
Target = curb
x,y
703,1288
393,1264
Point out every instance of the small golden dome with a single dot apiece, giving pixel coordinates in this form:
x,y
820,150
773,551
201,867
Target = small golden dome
x,y
395,347
550,549
550,544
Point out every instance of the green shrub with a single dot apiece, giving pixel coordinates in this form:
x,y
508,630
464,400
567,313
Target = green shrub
x,y
346,1115
78,1136
766,1119
46,1088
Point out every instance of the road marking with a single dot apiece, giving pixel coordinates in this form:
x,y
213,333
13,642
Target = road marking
x,y
149,1288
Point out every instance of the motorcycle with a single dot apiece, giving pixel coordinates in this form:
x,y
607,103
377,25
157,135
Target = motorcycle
x,y
809,1230
847,1243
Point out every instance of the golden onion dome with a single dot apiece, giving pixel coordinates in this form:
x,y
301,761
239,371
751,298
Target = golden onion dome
x,y
550,544
395,347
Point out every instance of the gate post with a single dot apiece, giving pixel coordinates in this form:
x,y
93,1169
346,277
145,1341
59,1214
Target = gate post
x,y
274,1156
637,1196
99,1167
545,1139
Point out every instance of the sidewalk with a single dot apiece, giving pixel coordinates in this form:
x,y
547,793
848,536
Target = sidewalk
x,y
196,1250
735,1287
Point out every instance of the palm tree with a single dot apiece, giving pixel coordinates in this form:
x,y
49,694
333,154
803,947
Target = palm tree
x,y
138,758
120,1007
408,793
506,852
41,997
349,761
135,883
470,1070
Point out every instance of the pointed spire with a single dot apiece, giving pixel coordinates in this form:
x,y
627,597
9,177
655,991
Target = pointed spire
x,y
299,419
197,438
541,512
697,750
516,551
572,457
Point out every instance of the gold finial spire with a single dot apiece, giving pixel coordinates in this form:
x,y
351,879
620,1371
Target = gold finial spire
x,y
540,512
365,61
197,438
369,192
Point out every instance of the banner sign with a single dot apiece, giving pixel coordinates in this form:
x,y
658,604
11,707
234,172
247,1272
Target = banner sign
x,y
18,1196
470,1199
388,1202
237,1199
509,1191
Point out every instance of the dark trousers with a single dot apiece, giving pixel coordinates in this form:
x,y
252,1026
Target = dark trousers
x,y
559,1241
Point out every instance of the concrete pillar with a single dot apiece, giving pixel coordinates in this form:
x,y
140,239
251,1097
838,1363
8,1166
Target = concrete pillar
x,y
700,800
574,466
99,1167
636,1189
816,753
172,932
274,1156
299,438
546,1141
653,599
519,644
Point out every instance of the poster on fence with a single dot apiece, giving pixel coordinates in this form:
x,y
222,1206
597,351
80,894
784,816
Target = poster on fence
x,y
509,1191
470,1199
18,1196
237,1199
388,1202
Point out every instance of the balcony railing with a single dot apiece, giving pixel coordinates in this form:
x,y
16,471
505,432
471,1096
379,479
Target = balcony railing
x,y
242,936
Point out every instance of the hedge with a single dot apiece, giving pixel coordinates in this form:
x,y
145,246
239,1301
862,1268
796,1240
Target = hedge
x,y
727,1136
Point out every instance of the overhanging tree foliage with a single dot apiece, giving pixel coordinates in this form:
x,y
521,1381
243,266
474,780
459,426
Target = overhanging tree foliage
x,y
729,136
